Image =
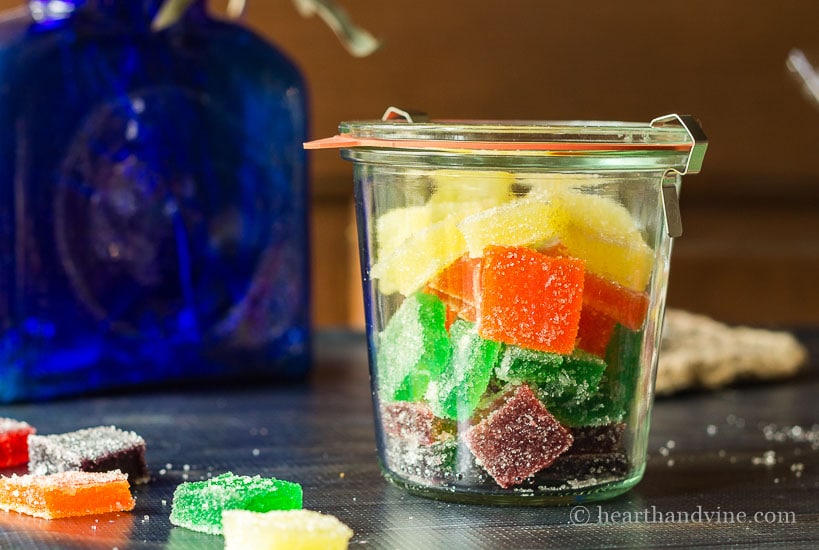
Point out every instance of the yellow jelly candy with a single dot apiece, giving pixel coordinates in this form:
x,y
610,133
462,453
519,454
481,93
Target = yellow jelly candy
x,y
284,530
419,258
518,223
602,232
483,186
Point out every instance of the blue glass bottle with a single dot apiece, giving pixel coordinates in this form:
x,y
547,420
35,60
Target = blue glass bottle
x,y
153,202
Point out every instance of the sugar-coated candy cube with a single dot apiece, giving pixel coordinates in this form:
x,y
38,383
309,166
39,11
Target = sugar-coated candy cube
x,y
517,439
198,505
529,299
521,222
422,463
284,530
595,330
566,379
625,306
98,449
413,347
413,422
458,285
602,232
14,442
458,389
419,258
486,186
66,494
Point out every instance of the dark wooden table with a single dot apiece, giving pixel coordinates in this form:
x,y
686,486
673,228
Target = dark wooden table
x,y
742,464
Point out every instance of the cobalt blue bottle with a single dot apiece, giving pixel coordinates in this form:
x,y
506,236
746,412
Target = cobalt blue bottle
x,y
153,202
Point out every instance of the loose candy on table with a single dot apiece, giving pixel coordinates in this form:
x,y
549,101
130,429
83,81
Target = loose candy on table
x,y
457,390
14,442
198,505
66,494
98,449
413,422
284,530
419,258
413,347
529,299
517,439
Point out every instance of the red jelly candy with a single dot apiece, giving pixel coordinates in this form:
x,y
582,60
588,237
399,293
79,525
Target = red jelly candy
x,y
517,439
595,331
412,422
14,442
529,299
624,305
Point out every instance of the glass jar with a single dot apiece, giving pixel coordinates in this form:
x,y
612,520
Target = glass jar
x,y
153,201
514,285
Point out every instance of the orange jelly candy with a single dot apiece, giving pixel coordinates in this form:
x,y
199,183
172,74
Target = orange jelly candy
x,y
529,299
624,305
457,286
66,494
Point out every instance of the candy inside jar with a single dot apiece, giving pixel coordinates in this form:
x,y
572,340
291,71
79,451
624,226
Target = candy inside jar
x,y
514,278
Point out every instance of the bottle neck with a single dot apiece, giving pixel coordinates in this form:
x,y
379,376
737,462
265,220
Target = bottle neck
x,y
138,12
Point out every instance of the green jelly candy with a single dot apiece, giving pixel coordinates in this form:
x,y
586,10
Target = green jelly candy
x,y
564,379
198,505
458,390
413,348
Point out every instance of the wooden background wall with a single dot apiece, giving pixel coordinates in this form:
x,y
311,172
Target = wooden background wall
x,y
750,252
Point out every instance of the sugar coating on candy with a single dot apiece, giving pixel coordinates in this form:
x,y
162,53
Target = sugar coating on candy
x,y
521,222
66,494
419,258
456,392
198,505
529,299
625,306
413,347
607,438
566,379
284,530
517,439
595,330
422,463
98,449
487,187
602,232
413,422
458,286
14,442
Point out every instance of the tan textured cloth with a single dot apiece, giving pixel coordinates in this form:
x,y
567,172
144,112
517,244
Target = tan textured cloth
x,y
699,352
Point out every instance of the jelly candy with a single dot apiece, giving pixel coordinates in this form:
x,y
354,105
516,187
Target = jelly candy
x,y
413,347
595,330
625,306
566,379
422,463
529,299
419,258
284,530
198,505
99,449
287,529
14,442
488,187
517,439
66,494
413,422
521,222
458,286
457,390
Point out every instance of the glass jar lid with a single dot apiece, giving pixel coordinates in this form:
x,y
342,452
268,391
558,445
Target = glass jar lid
x,y
673,142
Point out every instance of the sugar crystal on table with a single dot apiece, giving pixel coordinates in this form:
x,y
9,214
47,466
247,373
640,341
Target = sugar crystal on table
x,y
284,530
14,442
457,390
517,439
198,505
98,449
529,299
413,347
66,494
